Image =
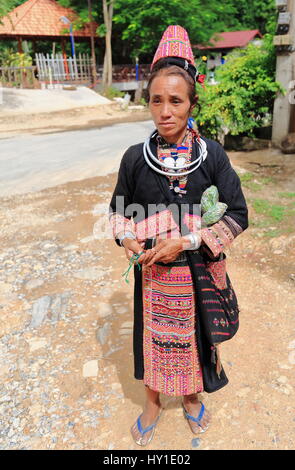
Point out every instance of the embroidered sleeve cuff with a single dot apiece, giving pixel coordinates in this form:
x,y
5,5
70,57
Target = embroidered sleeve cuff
x,y
217,237
120,224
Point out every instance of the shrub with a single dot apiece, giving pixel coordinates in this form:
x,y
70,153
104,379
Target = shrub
x,y
112,92
15,59
243,97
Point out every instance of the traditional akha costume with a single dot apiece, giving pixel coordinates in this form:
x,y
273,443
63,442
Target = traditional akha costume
x,y
165,341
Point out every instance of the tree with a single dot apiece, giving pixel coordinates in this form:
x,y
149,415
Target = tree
x,y
108,8
141,23
7,5
257,14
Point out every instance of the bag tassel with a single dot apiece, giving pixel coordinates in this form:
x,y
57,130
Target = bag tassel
x,y
218,362
215,359
213,354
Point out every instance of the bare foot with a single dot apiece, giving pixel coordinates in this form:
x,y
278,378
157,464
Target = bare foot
x,y
193,407
148,417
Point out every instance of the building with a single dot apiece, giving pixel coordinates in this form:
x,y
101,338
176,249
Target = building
x,y
223,43
36,20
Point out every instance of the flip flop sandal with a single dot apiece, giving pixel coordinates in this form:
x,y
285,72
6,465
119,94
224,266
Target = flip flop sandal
x,y
195,420
147,429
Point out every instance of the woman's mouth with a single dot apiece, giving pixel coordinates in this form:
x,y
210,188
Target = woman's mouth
x,y
166,124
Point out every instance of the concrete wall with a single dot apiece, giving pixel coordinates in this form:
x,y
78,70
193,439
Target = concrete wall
x,y
283,109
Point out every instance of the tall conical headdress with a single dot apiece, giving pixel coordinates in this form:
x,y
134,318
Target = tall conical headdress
x,y
176,48
174,43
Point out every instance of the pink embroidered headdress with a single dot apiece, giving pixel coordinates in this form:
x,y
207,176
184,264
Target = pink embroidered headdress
x,y
176,48
174,43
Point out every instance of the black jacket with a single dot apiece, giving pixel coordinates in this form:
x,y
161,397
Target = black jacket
x,y
137,182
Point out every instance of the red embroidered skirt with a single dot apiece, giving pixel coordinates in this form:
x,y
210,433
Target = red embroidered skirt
x,y
171,361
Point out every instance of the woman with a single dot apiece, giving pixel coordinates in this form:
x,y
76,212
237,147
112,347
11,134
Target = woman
x,y
166,350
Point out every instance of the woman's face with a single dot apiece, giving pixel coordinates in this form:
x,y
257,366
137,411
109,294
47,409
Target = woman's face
x,y
170,106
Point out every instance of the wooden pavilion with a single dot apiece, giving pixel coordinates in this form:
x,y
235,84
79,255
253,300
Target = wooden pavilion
x,y
41,20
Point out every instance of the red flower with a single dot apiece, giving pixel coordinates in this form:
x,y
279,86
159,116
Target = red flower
x,y
201,79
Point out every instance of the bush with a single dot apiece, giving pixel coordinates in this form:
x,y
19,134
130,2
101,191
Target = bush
x,y
15,59
112,92
243,97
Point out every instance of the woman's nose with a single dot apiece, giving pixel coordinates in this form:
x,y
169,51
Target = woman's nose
x,y
166,110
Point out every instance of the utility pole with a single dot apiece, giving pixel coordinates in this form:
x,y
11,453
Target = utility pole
x,y
283,112
93,59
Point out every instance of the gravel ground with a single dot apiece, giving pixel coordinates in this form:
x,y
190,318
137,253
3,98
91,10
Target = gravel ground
x,y
66,360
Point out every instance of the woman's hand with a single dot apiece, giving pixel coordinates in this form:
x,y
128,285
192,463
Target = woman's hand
x,y
132,246
165,251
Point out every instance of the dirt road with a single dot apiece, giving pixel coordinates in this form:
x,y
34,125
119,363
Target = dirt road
x,y
31,163
86,117
66,331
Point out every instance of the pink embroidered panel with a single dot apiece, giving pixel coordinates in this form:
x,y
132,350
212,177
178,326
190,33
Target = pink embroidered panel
x,y
119,224
164,225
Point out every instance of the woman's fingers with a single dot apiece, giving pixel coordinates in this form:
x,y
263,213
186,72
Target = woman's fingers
x,y
165,251
141,258
149,255
157,256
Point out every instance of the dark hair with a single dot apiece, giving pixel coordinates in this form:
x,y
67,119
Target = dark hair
x,y
162,68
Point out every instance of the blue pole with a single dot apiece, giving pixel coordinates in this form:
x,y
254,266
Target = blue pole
x,y
136,70
72,40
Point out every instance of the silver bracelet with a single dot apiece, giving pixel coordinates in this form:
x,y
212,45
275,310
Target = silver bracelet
x,y
127,235
195,241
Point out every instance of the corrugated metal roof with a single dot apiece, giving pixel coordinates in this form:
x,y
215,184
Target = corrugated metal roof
x,y
39,18
231,39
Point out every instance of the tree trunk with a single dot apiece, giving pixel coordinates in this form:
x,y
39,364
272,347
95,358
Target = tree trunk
x,y
93,59
107,65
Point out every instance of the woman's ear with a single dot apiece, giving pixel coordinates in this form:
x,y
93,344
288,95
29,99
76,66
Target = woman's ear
x,y
194,103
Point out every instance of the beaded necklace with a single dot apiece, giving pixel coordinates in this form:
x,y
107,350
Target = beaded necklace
x,y
177,156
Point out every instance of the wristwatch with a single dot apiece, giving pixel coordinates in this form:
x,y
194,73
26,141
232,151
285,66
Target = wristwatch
x,y
127,235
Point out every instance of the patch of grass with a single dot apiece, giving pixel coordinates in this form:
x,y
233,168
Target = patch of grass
x,y
289,229
287,195
266,180
272,233
112,92
246,181
245,177
276,212
290,210
257,184
260,223
253,186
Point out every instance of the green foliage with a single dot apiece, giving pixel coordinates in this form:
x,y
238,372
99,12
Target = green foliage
x,y
254,182
9,58
287,195
272,233
8,5
245,177
141,23
257,14
264,207
112,92
244,93
142,102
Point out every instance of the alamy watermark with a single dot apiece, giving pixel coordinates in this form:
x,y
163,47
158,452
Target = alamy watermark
x,y
159,218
